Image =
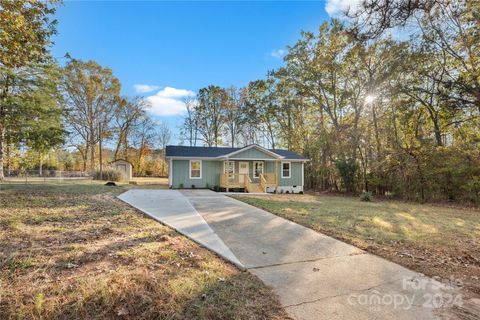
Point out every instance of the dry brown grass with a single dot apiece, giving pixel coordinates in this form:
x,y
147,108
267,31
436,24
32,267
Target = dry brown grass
x,y
74,251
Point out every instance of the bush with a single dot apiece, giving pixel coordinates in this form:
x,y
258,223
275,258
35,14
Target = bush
x,y
347,168
366,196
108,175
180,186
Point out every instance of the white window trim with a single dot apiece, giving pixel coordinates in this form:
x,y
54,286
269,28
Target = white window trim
x,y
225,167
254,170
289,170
190,169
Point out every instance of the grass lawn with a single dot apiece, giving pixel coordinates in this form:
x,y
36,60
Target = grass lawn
x,y
434,240
71,250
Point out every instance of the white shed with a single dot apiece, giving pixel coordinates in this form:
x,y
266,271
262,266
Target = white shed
x,y
125,167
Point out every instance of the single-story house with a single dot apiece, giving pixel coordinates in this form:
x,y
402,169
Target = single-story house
x,y
252,168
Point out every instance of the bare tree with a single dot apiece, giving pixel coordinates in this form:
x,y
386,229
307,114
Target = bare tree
x,y
127,117
189,129
144,139
373,17
234,114
164,137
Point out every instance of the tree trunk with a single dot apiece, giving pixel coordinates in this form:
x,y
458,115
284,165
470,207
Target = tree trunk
x,y
2,142
117,147
9,157
85,157
438,134
40,167
377,135
92,151
100,158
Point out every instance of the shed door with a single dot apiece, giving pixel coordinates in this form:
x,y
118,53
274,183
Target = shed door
x,y
123,169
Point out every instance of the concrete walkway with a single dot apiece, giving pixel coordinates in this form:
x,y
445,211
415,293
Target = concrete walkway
x,y
315,276
174,210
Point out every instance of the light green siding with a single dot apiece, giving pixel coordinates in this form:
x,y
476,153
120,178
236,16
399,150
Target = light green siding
x,y
252,153
210,174
211,171
295,175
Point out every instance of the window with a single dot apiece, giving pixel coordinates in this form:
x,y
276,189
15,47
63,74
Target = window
x,y
229,167
257,168
285,169
195,169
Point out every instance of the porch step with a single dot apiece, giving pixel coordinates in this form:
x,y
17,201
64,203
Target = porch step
x,y
255,188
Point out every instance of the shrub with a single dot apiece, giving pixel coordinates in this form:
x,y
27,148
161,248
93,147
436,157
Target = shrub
x,y
181,186
108,175
207,186
193,186
347,168
366,196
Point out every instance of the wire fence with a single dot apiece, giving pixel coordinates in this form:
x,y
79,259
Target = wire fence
x,y
44,175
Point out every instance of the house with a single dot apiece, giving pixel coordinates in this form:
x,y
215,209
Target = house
x,y
125,167
252,168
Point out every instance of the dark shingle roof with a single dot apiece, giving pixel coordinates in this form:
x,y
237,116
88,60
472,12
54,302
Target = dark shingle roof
x,y
288,154
213,152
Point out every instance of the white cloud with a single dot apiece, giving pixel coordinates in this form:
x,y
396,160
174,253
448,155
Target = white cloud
x,y
336,8
169,101
278,53
144,88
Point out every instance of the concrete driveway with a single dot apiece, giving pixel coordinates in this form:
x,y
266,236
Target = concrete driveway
x,y
315,276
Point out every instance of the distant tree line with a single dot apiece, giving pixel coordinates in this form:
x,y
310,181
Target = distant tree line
x,y
78,108
373,113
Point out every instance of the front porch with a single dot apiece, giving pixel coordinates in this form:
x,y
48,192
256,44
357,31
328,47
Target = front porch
x,y
266,183
250,176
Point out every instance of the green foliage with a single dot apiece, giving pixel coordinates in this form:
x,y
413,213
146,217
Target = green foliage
x,y
25,33
39,300
30,106
347,168
366,196
108,175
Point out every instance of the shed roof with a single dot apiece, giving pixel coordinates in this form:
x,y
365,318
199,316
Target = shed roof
x,y
118,160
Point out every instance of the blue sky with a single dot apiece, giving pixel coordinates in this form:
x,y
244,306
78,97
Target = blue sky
x,y
173,49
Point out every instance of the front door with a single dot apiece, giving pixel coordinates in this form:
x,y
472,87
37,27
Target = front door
x,y
242,169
